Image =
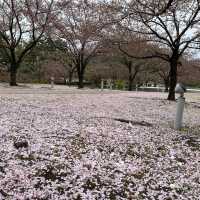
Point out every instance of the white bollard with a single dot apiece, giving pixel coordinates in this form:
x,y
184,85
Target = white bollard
x,y
111,86
180,89
102,84
179,112
52,82
136,88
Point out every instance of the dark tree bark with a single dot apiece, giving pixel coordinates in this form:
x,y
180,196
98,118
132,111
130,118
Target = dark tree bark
x,y
70,78
81,71
166,82
132,74
80,80
13,74
173,77
131,79
130,84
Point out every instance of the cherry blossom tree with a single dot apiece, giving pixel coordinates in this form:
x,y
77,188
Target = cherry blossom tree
x,y
80,30
22,24
133,69
177,30
161,6
60,56
124,43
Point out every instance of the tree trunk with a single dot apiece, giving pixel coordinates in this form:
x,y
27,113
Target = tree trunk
x,y
172,79
166,82
80,79
65,80
130,83
13,75
70,77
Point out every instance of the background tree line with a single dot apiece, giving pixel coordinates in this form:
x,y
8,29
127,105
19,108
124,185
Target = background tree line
x,y
134,40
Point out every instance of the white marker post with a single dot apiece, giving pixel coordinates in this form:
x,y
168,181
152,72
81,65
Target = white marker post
x,y
136,88
180,89
111,85
102,84
52,82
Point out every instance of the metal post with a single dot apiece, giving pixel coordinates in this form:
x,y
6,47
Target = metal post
x,y
179,112
111,85
102,84
52,82
136,87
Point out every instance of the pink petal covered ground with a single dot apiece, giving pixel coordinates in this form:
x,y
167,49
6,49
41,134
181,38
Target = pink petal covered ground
x,y
78,151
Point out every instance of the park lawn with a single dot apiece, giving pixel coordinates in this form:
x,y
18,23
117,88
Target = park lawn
x,y
98,146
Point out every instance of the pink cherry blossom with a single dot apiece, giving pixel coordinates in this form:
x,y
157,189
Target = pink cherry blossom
x,y
77,150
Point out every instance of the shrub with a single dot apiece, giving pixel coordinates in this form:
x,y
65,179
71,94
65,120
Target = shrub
x,y
119,84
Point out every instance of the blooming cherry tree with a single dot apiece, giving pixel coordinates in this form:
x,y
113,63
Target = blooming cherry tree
x,y
22,24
